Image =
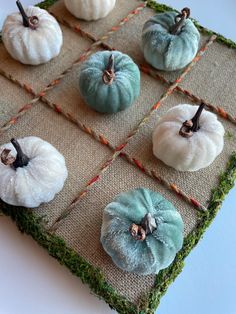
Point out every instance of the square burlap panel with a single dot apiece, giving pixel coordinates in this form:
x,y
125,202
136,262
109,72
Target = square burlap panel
x,y
212,78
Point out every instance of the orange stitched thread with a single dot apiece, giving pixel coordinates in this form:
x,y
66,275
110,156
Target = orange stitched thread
x,y
82,194
25,108
139,165
28,88
222,112
41,94
77,28
195,203
120,147
93,180
157,105
13,120
87,129
103,140
55,82
57,108
174,188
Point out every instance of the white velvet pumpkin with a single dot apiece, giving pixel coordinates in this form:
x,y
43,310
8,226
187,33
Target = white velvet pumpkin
x,y
90,10
29,45
31,175
189,153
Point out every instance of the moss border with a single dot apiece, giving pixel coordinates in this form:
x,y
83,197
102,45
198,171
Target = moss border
x,y
158,7
30,224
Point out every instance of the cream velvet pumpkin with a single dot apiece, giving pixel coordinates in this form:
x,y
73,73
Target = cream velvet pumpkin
x,y
90,10
32,171
36,44
182,148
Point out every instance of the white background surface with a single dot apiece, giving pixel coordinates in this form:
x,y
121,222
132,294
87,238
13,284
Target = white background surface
x,y
31,282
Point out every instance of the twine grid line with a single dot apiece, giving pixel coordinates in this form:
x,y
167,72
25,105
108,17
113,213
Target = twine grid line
x,y
79,30
122,153
216,109
121,147
100,138
152,72
56,81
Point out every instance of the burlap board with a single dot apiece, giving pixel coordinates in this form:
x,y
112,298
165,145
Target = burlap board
x,y
102,159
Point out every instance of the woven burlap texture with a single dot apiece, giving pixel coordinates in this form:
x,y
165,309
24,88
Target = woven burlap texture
x,y
84,156
40,76
102,26
11,99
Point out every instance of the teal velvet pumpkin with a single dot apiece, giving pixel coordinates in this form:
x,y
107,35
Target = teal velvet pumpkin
x,y
141,231
165,49
109,81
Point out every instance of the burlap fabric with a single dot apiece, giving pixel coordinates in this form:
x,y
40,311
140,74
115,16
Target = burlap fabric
x,y
210,79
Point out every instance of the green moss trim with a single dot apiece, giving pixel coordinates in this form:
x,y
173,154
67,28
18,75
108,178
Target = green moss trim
x,y
160,8
168,275
46,4
32,225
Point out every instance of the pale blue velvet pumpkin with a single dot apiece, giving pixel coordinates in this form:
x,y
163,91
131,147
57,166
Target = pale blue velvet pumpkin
x,y
166,47
141,231
109,81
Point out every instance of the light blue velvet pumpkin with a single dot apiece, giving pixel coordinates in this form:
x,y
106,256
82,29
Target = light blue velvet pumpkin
x,y
167,50
109,81
141,231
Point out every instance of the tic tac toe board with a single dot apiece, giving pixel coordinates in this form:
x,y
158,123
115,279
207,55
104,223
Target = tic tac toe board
x,y
108,154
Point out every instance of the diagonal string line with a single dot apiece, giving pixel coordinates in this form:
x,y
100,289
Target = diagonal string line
x,y
152,72
76,27
169,91
101,139
55,82
121,147
171,186
216,109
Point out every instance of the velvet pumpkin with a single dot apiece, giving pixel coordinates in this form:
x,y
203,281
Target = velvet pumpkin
x,y
141,231
32,172
32,36
109,81
170,41
90,10
188,138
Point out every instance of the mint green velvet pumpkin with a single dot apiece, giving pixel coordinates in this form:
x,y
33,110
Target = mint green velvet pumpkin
x,y
166,47
109,81
141,231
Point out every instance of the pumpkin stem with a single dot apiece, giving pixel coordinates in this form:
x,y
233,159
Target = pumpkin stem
x,y
109,74
146,227
190,126
21,159
6,158
179,21
31,21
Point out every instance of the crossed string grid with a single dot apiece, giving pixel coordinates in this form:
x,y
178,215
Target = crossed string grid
x,y
149,70
55,82
117,151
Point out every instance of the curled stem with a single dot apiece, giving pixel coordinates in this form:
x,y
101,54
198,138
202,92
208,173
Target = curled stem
x,y
190,126
146,227
31,21
21,159
109,74
180,20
